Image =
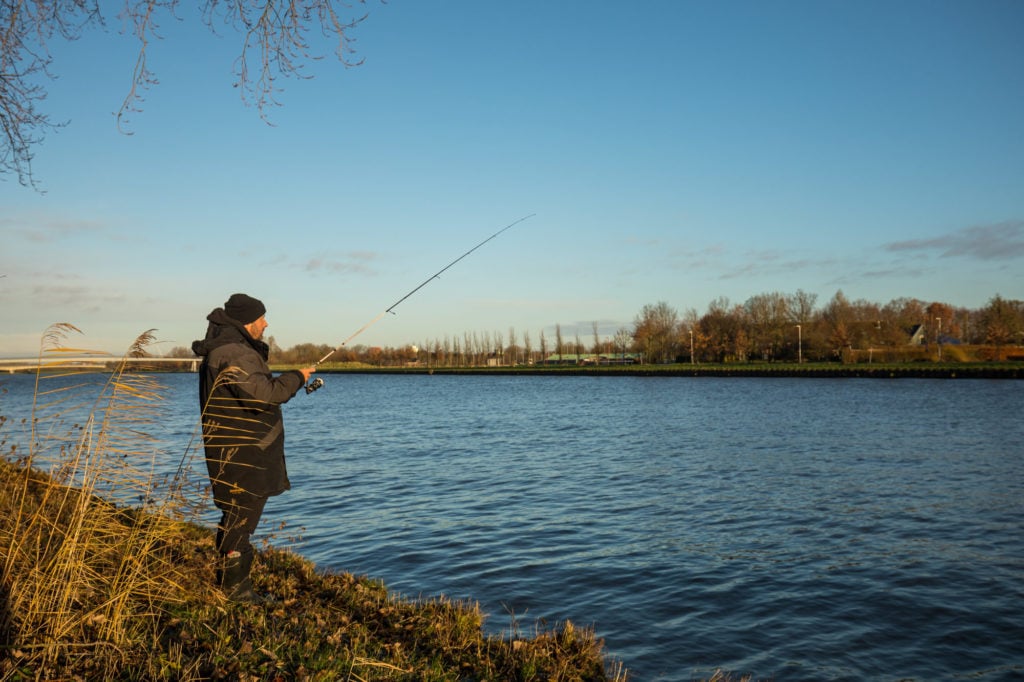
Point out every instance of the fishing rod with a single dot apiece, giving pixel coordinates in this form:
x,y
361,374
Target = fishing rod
x,y
318,382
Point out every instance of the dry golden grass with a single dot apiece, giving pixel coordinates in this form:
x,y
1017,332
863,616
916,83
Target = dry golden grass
x,y
81,573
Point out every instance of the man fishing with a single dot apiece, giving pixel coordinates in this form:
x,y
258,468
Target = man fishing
x,y
243,431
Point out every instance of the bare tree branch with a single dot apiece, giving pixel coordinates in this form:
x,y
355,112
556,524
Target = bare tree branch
x,y
275,38
26,27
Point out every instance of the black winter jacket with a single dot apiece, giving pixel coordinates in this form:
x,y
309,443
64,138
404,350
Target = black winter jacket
x,y
240,402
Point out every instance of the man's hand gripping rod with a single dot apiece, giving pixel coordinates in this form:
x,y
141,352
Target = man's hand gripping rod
x,y
318,382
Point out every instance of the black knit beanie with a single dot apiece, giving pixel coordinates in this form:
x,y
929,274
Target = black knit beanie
x,y
245,309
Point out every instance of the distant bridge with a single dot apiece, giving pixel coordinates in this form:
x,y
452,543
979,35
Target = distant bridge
x,y
97,362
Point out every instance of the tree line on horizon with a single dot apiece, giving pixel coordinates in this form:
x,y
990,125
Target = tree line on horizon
x,y
772,327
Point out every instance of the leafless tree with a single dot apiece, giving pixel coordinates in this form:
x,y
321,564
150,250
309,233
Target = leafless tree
x,y
513,348
655,332
180,352
801,306
623,342
1002,321
768,316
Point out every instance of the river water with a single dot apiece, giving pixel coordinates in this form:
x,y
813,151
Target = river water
x,y
795,529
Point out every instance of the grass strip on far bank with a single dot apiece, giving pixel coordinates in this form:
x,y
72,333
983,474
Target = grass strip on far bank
x,y
922,370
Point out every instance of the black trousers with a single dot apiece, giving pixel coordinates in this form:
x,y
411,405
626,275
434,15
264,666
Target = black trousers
x,y
238,521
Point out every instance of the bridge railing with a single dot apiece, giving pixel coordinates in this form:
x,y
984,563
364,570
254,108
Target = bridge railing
x,y
49,363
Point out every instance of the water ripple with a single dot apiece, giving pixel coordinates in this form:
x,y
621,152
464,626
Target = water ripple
x,y
795,529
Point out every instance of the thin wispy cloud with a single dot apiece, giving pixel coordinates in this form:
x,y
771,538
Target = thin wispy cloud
x,y
605,327
84,298
353,262
633,240
78,293
696,259
62,293
1002,241
47,229
773,263
881,274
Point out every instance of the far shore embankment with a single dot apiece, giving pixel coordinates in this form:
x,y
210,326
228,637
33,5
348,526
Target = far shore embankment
x,y
807,370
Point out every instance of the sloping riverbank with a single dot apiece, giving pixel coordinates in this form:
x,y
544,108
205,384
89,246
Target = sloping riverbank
x,y
94,591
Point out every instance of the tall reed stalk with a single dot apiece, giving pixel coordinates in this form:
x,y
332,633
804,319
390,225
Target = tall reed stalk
x,y
82,563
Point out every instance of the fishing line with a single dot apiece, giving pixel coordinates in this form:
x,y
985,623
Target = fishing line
x,y
317,383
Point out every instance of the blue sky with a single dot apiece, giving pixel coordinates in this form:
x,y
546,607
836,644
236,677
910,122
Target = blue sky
x,y
670,150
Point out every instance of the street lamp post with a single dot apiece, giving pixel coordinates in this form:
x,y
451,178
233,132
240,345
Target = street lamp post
x,y
799,345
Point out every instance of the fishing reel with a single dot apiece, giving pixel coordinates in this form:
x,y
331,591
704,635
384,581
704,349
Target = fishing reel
x,y
314,385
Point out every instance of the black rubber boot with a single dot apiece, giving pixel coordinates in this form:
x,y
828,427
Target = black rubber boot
x,y
233,578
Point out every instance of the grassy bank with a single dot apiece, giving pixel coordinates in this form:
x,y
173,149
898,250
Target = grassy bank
x,y
93,591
